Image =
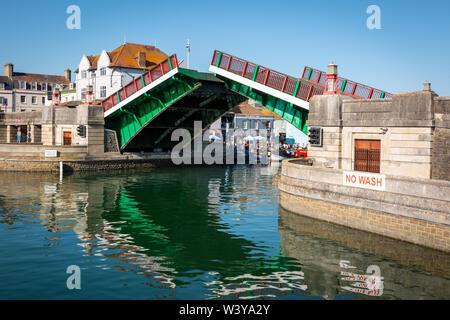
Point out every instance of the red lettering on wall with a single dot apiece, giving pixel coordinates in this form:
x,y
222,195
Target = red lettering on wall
x,y
379,182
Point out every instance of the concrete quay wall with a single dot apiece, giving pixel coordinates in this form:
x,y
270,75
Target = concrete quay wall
x,y
97,164
410,209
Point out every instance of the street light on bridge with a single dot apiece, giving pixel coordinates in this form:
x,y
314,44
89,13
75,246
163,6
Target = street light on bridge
x,y
331,79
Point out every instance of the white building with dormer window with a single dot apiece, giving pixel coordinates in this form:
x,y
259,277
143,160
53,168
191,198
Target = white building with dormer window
x,y
110,71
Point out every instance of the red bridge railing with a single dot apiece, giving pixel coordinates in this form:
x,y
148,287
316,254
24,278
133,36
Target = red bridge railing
x,y
299,88
345,86
310,84
140,82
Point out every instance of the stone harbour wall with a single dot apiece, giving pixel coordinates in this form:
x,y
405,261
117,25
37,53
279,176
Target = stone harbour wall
x,y
411,209
82,165
441,154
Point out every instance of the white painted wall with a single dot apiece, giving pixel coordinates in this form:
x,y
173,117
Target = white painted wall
x,y
114,79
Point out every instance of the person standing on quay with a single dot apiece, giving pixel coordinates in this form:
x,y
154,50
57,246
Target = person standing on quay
x,y
18,134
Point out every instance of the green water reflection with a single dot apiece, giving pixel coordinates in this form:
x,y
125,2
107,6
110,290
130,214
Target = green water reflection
x,y
182,233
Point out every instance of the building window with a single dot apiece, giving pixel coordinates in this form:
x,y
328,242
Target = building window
x,y
23,99
83,74
43,100
103,92
34,86
367,155
2,86
103,71
23,84
83,93
245,124
93,74
43,86
33,100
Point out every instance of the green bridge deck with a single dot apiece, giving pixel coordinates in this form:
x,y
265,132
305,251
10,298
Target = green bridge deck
x,y
148,109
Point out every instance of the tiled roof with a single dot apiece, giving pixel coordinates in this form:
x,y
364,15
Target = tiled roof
x,y
126,56
33,77
4,79
93,62
267,112
247,109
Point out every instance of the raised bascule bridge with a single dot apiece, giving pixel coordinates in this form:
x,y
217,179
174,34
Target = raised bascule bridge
x,y
145,112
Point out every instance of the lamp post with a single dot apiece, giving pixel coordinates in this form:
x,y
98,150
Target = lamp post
x,y
89,96
56,97
331,80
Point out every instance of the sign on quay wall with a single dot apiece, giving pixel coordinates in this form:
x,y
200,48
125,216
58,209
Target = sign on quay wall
x,y
364,180
51,153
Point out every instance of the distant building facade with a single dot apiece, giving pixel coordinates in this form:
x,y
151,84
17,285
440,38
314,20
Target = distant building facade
x,y
248,116
110,71
21,91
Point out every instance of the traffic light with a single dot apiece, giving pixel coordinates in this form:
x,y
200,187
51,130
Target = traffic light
x,y
315,136
81,130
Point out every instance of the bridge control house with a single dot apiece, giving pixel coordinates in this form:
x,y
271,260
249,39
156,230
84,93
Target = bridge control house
x,y
406,135
379,165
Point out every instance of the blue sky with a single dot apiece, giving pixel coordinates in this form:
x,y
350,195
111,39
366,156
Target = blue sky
x,y
412,46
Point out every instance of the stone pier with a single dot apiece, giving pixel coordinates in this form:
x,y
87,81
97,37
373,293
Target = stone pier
x,y
411,133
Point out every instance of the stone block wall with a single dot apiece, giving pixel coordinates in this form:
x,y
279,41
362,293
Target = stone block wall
x,y
411,209
441,154
412,128
96,139
3,134
48,126
329,155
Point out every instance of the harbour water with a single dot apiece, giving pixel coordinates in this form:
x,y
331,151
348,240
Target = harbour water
x,y
191,233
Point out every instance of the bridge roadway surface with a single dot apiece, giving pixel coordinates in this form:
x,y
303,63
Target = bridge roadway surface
x,y
145,112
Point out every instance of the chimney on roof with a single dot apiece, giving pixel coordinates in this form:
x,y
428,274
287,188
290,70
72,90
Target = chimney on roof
x,y
68,75
142,59
9,70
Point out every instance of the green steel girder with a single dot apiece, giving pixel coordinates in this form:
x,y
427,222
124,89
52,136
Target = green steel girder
x,y
136,115
295,115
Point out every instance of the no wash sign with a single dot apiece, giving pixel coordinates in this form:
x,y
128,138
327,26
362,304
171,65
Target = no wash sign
x,y
364,180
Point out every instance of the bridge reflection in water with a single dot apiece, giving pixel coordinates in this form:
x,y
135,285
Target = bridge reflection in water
x,y
192,233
